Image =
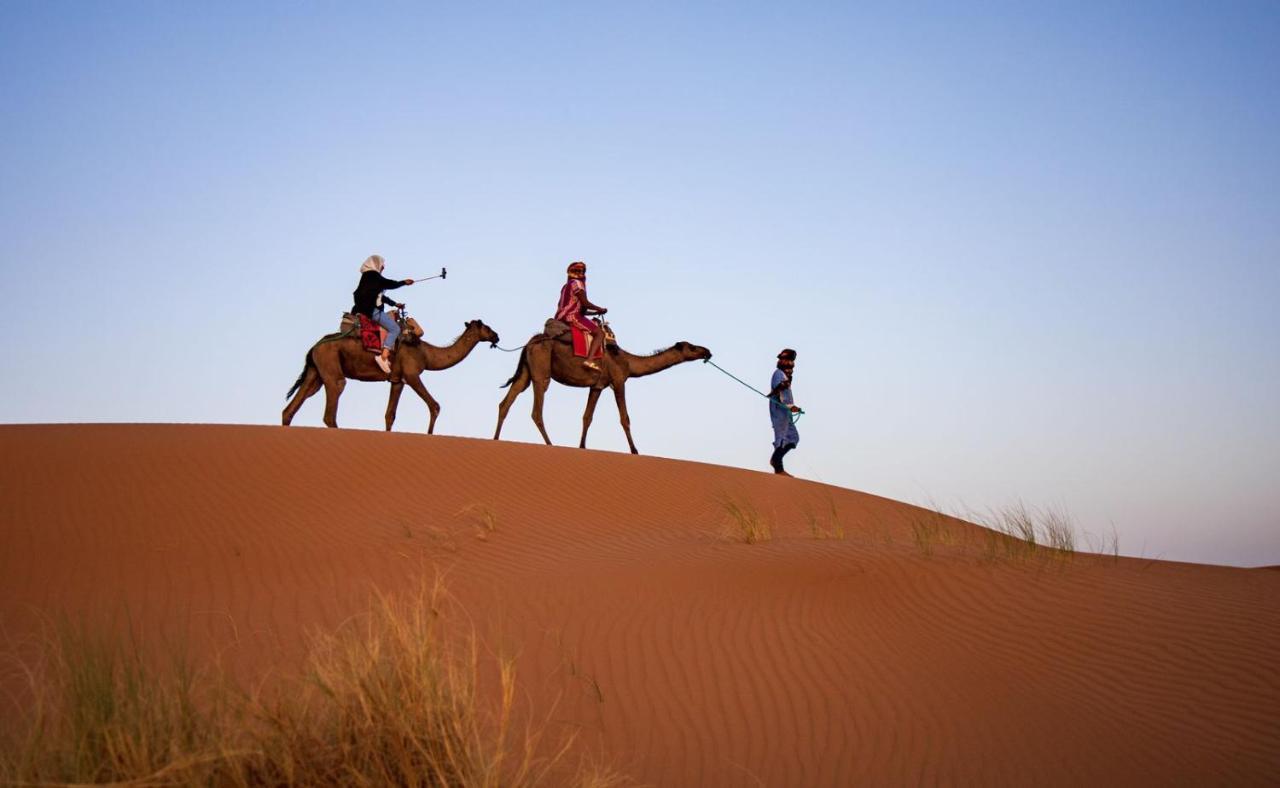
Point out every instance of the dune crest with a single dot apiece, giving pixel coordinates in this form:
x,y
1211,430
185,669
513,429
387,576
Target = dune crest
x,y
861,641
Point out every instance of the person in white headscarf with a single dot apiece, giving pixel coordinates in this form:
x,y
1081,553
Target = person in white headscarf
x,y
368,302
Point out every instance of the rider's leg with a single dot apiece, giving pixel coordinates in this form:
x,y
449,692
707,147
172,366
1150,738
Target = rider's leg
x,y
392,327
393,331
588,329
384,320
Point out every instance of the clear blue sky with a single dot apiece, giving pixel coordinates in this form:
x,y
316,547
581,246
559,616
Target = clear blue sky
x,y
1024,253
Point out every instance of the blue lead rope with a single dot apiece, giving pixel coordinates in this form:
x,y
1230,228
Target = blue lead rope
x,y
795,417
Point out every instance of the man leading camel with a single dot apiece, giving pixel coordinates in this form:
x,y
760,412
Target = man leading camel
x,y
372,283
574,307
781,406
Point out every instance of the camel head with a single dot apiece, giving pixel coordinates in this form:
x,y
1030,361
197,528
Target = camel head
x,y
486,334
691,352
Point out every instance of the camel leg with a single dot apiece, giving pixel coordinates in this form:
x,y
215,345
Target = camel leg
x,y
332,390
393,402
620,394
310,385
517,388
433,407
592,398
539,391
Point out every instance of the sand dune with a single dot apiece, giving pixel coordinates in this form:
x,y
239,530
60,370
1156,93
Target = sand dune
x,y
686,657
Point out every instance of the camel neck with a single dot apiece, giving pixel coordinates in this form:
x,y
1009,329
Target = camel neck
x,y
438,358
640,366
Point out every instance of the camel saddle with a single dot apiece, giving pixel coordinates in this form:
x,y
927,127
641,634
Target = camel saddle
x,y
371,334
559,331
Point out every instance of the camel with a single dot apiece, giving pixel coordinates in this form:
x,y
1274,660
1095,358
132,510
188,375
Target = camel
x,y
544,360
337,357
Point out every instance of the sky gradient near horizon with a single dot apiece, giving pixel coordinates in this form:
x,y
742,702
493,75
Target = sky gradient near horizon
x,y
1025,254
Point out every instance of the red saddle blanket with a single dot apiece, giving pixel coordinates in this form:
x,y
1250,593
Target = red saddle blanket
x,y
371,334
580,345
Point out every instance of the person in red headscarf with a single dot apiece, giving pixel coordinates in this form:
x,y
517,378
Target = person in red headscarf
x,y
574,308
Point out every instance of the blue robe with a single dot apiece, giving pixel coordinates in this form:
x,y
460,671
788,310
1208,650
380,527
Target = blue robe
x,y
784,432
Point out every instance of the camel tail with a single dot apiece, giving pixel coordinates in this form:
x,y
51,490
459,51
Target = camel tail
x,y
523,353
297,384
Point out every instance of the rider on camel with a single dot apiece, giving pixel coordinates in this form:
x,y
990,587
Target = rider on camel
x,y
368,302
574,308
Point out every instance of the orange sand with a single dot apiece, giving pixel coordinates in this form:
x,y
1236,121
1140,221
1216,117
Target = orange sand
x,y
688,659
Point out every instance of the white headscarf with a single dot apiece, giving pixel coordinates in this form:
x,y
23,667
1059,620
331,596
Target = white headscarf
x,y
373,262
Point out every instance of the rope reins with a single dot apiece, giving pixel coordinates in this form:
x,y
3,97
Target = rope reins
x,y
513,349
793,416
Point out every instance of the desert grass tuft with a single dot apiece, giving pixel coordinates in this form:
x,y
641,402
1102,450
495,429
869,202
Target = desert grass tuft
x,y
386,699
743,520
827,524
1059,532
482,518
100,713
1019,533
930,527
1105,544
383,702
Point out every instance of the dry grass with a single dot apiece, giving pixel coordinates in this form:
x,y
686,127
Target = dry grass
x,y
482,518
931,527
1013,533
1019,533
98,714
385,700
743,521
1105,544
827,524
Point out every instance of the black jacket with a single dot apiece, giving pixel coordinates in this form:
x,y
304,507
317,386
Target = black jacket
x,y
366,293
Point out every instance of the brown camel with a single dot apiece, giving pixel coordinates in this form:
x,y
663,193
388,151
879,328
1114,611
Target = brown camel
x,y
544,360
335,358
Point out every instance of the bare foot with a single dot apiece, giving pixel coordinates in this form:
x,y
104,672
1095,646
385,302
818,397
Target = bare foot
x,y
781,472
